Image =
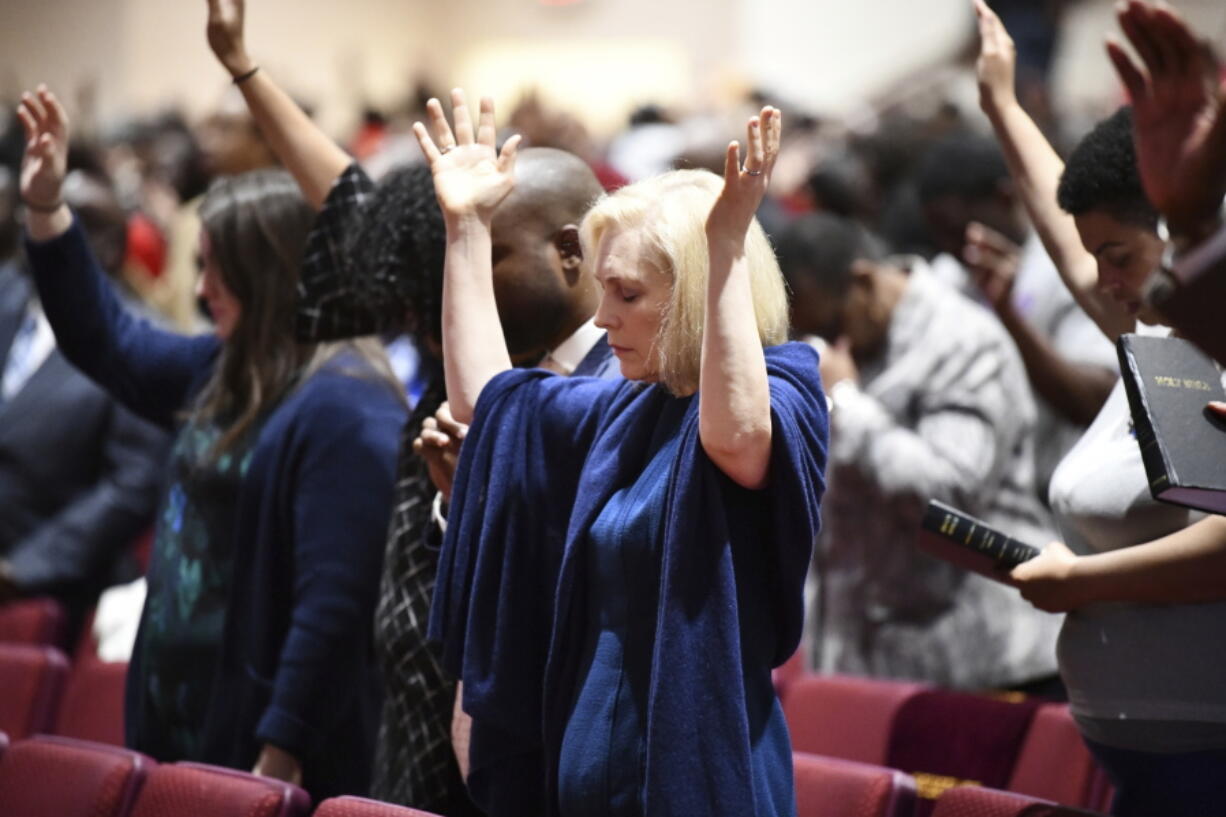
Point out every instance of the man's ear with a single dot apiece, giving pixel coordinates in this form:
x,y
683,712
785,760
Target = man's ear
x,y
570,249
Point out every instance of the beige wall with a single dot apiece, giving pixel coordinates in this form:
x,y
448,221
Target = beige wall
x,y
599,57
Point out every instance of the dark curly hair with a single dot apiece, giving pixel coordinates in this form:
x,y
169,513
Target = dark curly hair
x,y
1101,174
398,242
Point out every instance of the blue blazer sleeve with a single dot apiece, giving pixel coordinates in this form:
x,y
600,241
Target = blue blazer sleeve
x,y
343,462
151,371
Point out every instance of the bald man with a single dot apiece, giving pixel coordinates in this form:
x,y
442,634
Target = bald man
x,y
374,264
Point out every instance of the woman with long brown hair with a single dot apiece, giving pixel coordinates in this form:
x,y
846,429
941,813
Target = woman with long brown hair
x,y
254,647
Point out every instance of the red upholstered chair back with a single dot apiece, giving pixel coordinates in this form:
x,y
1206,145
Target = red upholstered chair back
x,y
32,621
31,682
830,787
841,716
972,801
92,706
197,790
1054,763
58,777
361,807
787,673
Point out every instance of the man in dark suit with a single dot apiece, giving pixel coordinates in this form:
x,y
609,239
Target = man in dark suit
x,y
79,474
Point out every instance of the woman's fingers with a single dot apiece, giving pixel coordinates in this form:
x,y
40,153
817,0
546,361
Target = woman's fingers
x,y
772,134
487,133
506,159
753,146
36,108
428,148
732,161
27,124
444,139
463,122
57,119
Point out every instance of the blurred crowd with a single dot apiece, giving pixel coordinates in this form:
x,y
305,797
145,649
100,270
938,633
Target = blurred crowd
x,y
963,272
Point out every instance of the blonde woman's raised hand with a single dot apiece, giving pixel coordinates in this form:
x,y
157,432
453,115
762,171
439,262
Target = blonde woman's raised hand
x,y
225,34
46,153
997,63
470,175
745,185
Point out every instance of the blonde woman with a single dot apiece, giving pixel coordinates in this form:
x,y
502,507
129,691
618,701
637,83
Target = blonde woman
x,y
624,560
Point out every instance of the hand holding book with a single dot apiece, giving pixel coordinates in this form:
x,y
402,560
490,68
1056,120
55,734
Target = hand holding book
x,y
1049,582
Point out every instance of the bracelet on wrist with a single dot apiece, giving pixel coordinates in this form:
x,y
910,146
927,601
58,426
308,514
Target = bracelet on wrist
x,y
45,209
246,75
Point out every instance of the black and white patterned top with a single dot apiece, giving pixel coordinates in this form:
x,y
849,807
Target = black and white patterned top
x,y
414,762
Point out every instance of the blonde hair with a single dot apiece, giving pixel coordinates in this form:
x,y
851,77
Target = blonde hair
x,y
671,212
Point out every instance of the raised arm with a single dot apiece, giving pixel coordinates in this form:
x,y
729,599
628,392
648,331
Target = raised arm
x,y
734,416
1036,168
311,157
470,178
149,370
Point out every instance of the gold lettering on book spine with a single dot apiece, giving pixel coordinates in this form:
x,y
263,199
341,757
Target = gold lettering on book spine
x,y
949,525
970,533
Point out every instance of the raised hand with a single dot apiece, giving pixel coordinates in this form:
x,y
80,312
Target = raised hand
x,y
439,445
997,63
225,34
993,261
1179,114
744,187
470,176
46,155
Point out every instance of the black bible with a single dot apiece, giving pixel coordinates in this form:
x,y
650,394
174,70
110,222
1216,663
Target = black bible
x,y
965,541
1183,444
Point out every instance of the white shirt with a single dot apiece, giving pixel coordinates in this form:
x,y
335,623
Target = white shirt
x,y
568,354
32,351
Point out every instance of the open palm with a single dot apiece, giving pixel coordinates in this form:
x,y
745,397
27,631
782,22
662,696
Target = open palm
x,y
744,187
471,176
1179,112
46,153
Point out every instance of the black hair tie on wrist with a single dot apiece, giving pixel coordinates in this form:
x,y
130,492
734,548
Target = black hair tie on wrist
x,y
241,78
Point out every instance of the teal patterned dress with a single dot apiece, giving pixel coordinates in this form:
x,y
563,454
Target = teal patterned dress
x,y
190,574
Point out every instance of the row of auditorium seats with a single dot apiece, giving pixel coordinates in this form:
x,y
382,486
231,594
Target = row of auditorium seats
x,y
852,735
831,787
42,690
944,738
60,777
39,693
48,776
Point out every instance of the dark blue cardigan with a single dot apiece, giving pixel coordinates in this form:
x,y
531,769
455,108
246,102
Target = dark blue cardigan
x,y
540,461
297,667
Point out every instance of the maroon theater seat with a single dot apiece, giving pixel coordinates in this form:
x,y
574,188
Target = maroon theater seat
x,y
846,717
361,807
197,790
1054,763
32,621
92,706
830,787
59,777
973,801
31,682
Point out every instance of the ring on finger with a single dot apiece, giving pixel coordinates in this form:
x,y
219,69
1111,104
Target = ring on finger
x,y
446,148
749,172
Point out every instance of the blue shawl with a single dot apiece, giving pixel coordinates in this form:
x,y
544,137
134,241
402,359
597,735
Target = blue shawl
x,y
541,459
